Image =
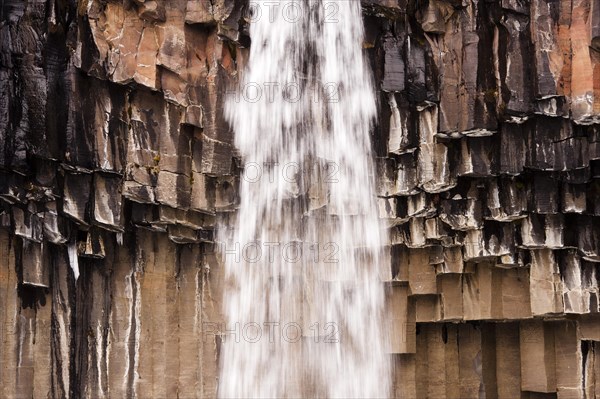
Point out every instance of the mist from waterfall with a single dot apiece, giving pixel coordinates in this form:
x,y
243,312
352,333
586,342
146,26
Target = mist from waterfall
x,y
303,299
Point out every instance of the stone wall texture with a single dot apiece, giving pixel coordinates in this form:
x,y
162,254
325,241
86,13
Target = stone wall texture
x,y
116,163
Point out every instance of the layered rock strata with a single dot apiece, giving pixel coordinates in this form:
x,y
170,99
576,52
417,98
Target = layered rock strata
x,y
116,162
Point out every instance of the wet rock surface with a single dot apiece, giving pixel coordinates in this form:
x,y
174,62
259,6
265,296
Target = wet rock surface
x,y
116,161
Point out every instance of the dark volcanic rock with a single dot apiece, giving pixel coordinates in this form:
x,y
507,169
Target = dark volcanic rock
x,y
116,161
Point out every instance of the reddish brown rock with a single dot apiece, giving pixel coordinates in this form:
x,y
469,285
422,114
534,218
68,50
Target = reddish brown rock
x,y
116,161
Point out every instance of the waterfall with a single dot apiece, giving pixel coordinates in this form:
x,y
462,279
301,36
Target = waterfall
x,y
303,298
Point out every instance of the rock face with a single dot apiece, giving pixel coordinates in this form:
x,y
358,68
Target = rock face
x,y
116,162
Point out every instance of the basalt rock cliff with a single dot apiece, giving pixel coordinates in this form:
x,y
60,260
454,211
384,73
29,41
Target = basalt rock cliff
x,y
116,163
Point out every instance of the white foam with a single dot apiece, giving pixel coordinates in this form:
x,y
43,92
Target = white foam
x,y
331,294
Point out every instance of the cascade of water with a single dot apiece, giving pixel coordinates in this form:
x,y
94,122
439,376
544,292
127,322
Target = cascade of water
x,y
303,294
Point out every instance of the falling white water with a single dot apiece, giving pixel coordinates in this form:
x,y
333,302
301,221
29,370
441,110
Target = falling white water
x,y
303,300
